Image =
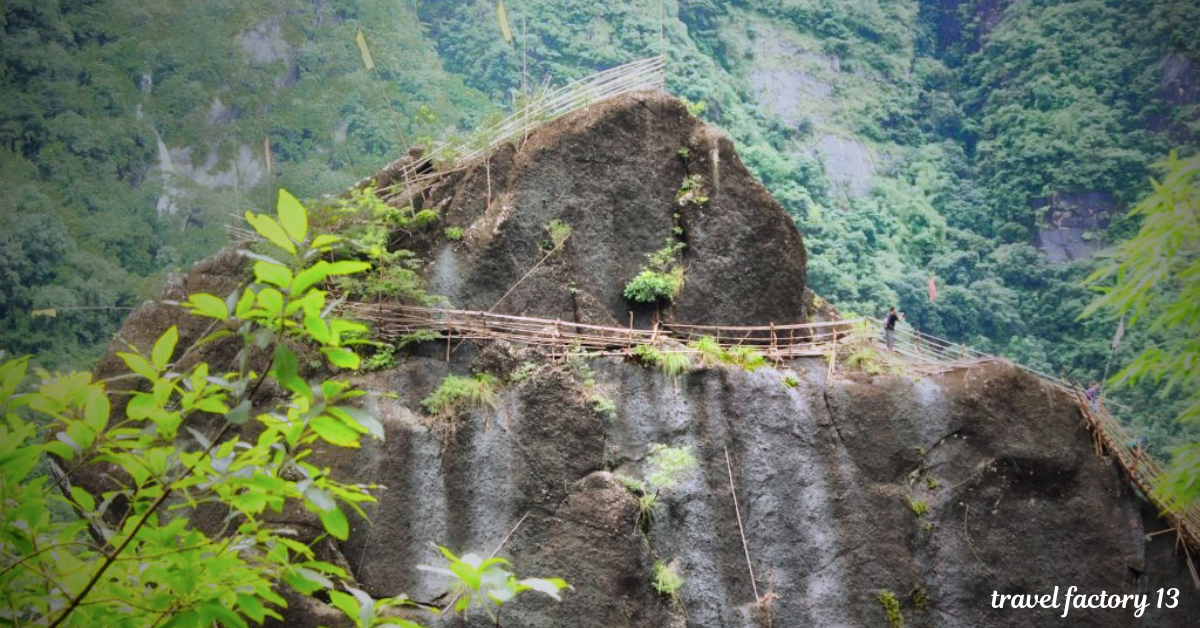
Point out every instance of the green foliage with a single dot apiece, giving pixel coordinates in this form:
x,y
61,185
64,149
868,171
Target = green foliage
x,y
891,608
667,579
152,551
650,286
1154,278
694,108
522,372
604,406
868,360
455,392
671,363
711,353
558,232
661,279
454,234
918,506
376,227
790,381
418,336
919,598
485,583
665,465
691,191
367,612
931,482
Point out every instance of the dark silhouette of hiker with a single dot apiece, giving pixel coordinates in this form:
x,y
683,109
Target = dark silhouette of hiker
x,y
889,327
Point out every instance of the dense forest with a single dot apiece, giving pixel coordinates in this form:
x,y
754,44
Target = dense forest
x,y
958,139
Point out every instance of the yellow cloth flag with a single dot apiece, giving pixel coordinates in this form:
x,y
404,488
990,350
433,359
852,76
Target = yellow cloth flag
x,y
502,16
366,52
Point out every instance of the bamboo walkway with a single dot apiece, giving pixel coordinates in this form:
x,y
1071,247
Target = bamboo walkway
x,y
920,352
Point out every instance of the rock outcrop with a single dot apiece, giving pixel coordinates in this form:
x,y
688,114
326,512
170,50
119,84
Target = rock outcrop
x,y
613,173
940,490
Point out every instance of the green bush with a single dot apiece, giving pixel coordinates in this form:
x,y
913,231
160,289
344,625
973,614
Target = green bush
x,y
651,286
662,277
454,234
455,392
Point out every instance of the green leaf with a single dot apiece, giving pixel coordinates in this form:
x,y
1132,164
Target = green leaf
x,y
11,374
83,498
292,215
309,277
316,328
96,410
269,229
320,498
271,300
549,586
252,607
202,304
273,274
164,348
287,372
140,406
345,603
139,365
468,574
335,432
325,240
16,465
361,417
335,523
343,358
216,613
240,413
348,267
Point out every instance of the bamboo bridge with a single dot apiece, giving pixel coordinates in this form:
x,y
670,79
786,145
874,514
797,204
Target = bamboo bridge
x,y
916,351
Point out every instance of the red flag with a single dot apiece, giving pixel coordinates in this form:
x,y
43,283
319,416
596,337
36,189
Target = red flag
x,y
932,289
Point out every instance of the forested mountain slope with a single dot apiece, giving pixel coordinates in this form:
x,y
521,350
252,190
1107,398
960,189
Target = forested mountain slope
x,y
908,138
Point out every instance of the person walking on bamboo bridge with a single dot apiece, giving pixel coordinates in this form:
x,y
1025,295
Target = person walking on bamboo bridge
x,y
889,327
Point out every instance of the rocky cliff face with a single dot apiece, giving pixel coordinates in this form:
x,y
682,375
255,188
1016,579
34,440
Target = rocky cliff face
x,y
613,172
939,489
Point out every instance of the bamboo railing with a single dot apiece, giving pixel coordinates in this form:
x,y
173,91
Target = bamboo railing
x,y
779,342
776,342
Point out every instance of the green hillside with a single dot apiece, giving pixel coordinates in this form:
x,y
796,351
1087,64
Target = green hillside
x,y
908,138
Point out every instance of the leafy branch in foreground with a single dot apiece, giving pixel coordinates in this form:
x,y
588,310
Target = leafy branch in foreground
x,y
1155,276
134,554
486,583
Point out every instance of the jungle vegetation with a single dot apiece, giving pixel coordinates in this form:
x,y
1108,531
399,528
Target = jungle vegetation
x,y
973,120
